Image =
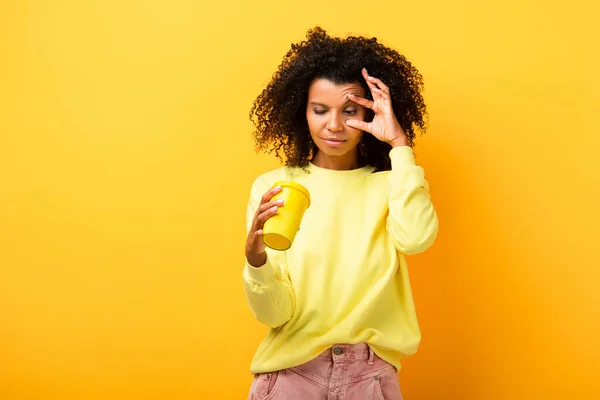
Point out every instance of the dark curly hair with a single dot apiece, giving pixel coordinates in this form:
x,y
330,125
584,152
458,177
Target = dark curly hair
x,y
279,112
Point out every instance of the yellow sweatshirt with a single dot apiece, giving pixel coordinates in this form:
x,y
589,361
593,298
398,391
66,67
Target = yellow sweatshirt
x,y
345,279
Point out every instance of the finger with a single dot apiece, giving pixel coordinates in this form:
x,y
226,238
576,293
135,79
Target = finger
x,y
269,194
365,75
358,124
361,100
379,83
257,243
380,94
375,82
262,217
376,93
264,207
260,220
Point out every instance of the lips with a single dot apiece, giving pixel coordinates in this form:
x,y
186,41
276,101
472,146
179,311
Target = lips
x,y
334,141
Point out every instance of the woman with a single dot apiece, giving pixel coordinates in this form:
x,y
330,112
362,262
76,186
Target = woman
x,y
341,114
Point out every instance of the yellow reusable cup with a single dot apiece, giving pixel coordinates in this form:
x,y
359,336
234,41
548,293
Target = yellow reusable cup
x,y
280,230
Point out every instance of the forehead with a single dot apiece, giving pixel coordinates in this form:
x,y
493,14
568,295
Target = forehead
x,y
327,92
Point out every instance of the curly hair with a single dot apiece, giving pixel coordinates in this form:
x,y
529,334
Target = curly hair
x,y
279,112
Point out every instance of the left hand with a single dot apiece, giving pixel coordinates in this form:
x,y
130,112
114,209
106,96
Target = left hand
x,y
384,126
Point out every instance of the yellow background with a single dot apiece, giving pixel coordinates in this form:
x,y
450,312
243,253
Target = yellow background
x,y
126,160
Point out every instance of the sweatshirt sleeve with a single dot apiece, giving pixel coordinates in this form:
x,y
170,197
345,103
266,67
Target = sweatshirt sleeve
x,y
412,222
268,288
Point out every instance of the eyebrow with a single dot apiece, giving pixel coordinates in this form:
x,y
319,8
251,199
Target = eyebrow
x,y
315,103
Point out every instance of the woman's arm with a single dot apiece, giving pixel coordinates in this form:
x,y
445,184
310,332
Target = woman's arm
x,y
412,222
268,288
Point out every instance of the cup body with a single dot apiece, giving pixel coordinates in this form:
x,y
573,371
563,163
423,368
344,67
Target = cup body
x,y
280,230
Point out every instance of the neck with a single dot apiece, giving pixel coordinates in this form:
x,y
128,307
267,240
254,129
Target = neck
x,y
340,163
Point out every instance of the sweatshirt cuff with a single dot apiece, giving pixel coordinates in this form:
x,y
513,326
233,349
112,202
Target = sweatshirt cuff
x,y
402,156
262,276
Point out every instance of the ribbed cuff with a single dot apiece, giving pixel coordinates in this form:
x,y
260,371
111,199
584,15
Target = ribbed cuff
x,y
402,156
262,276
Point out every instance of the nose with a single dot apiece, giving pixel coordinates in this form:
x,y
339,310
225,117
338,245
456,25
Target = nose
x,y
335,123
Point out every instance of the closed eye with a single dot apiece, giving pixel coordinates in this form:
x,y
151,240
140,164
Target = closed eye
x,y
320,112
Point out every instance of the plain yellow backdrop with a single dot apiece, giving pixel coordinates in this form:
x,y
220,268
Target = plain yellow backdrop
x,y
126,159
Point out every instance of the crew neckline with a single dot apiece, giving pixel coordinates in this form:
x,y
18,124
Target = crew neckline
x,y
367,169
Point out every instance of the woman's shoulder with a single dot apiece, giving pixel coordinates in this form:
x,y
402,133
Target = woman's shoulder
x,y
267,179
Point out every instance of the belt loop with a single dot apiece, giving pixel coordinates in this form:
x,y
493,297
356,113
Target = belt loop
x,y
371,356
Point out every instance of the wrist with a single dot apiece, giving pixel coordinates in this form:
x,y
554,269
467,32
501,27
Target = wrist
x,y
256,260
399,141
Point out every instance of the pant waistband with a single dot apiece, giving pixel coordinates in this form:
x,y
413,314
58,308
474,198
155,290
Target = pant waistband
x,y
338,352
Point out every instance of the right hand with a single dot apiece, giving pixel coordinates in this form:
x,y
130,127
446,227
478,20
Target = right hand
x,y
255,248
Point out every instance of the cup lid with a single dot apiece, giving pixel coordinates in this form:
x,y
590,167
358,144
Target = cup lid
x,y
294,185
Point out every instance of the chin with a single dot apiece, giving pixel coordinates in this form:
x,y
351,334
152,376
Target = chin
x,y
334,151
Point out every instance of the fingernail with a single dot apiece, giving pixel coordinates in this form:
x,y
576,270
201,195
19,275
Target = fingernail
x,y
280,202
274,208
